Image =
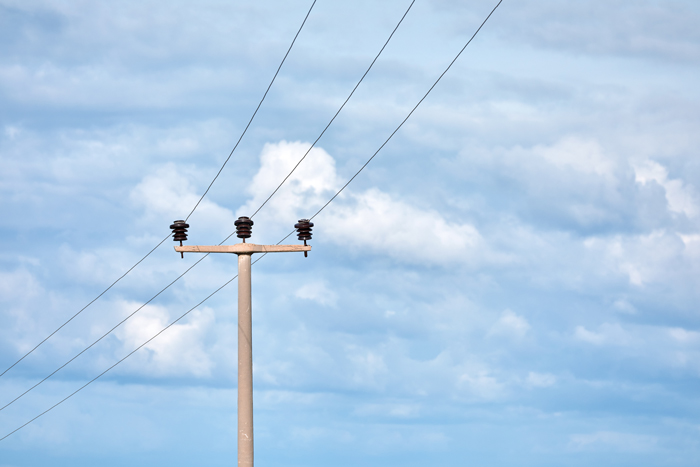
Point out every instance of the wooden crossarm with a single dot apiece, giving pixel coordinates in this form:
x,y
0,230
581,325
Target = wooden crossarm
x,y
241,248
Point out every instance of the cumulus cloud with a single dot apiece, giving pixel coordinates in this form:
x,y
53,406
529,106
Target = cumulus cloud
x,y
681,198
691,241
20,296
318,291
656,257
178,351
579,154
574,183
482,385
165,192
18,285
684,336
313,182
577,171
397,228
509,325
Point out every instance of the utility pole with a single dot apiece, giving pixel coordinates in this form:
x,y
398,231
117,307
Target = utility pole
x,y
245,328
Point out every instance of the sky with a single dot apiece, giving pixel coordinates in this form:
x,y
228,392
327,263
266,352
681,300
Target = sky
x,y
512,280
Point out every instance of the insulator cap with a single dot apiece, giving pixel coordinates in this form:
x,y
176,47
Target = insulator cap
x,y
304,229
243,227
179,230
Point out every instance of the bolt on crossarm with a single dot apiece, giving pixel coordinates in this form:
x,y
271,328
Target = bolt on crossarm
x,y
245,326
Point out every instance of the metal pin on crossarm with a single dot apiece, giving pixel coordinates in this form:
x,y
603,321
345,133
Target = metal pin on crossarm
x,y
180,232
245,328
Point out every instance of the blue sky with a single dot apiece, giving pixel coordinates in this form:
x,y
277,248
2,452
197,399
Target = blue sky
x,y
513,280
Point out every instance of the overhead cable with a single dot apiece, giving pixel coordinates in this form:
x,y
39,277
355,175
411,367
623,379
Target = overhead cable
x,y
191,212
105,334
336,114
254,113
83,308
261,206
261,257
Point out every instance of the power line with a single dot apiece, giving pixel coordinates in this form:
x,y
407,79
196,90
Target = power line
x,y
407,116
191,212
114,327
83,308
118,362
254,113
261,206
411,112
140,346
336,114
262,256
104,335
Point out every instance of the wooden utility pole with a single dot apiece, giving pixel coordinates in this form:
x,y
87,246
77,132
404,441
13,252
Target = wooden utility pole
x,y
245,327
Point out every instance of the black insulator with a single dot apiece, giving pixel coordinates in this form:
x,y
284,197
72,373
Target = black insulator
x,y
304,230
243,227
180,232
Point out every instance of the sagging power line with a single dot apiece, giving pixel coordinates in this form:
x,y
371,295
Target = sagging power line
x,y
245,130
288,235
226,239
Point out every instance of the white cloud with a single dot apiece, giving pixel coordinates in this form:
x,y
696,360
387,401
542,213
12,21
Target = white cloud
x,y
583,334
318,292
389,226
178,351
168,193
684,336
18,286
21,297
582,155
681,198
609,334
108,112
481,384
307,188
402,231
657,256
510,325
